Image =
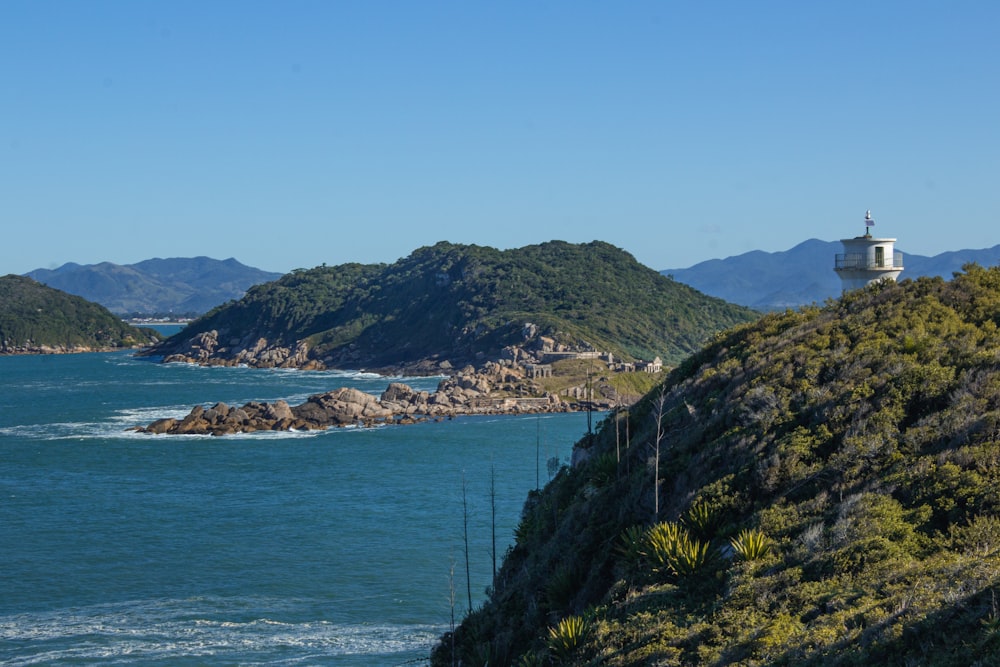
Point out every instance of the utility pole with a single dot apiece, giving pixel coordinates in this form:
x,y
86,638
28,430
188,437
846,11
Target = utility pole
x,y
465,525
590,403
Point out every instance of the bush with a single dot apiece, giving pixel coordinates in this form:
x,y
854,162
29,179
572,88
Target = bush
x,y
701,519
566,636
751,544
669,548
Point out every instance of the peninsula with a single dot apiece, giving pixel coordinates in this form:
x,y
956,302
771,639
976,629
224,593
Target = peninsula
x,y
447,306
37,319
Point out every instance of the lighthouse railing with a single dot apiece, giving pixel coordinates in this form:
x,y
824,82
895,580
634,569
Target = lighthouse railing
x,y
859,261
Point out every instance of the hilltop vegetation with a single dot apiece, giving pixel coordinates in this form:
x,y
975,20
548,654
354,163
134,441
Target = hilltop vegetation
x,y
817,487
36,318
464,303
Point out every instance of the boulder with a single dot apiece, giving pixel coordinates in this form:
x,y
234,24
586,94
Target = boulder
x,y
216,414
341,406
277,411
161,426
398,392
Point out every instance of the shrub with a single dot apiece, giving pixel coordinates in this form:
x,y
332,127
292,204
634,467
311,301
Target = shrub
x,y
701,519
566,636
561,587
631,545
670,549
751,544
531,659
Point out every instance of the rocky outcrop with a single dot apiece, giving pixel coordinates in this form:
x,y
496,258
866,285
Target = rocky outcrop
x,y
219,348
467,393
206,349
31,348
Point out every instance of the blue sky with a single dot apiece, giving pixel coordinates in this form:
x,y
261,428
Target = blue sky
x,y
291,134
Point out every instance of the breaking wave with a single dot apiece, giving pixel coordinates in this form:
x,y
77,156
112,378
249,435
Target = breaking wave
x,y
205,631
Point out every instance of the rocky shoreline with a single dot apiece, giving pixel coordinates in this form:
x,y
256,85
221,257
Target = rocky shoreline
x,y
25,350
467,393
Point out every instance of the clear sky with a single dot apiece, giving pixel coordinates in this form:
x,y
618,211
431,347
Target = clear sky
x,y
295,133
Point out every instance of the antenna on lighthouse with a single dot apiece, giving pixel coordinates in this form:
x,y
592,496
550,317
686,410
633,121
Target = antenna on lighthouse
x,y
869,223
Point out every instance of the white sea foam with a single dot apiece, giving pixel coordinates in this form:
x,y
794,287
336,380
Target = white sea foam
x,y
119,428
141,631
277,435
62,431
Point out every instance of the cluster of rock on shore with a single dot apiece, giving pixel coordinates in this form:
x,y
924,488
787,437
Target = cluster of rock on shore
x,y
31,348
399,403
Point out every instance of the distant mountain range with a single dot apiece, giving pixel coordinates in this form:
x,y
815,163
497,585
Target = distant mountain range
x,y
803,275
178,286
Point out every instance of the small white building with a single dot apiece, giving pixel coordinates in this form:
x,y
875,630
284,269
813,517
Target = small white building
x,y
654,366
867,259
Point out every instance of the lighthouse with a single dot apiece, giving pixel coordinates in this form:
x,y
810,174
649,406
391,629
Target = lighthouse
x,y
867,259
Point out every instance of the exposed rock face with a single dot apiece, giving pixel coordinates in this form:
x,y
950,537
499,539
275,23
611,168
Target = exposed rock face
x,y
465,394
401,399
47,349
31,348
206,349
212,348
340,407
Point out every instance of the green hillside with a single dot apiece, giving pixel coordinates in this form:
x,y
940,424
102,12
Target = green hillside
x,y
35,318
461,302
827,496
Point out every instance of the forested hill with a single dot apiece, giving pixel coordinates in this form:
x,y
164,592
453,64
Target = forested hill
x,y
464,303
827,495
35,318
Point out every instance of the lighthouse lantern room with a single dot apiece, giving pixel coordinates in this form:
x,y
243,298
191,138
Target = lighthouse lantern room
x,y
867,259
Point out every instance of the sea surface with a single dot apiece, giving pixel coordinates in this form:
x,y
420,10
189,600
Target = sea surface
x,y
342,547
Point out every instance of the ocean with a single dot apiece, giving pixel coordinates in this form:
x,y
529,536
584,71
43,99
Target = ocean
x,y
340,547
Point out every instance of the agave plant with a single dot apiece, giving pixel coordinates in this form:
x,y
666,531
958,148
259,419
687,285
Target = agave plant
x,y
692,555
751,544
700,519
561,586
566,636
670,548
531,659
631,544
661,544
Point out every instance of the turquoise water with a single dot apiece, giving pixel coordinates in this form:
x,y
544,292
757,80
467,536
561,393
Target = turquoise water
x,y
338,547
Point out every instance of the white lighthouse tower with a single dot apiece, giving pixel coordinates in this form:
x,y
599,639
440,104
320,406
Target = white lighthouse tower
x,y
867,259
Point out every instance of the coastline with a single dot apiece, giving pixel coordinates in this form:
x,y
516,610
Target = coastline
x,y
398,404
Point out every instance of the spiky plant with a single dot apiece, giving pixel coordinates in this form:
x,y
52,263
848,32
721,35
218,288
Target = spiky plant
x,y
603,469
671,549
661,543
531,659
700,519
631,544
751,544
692,555
561,587
566,636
